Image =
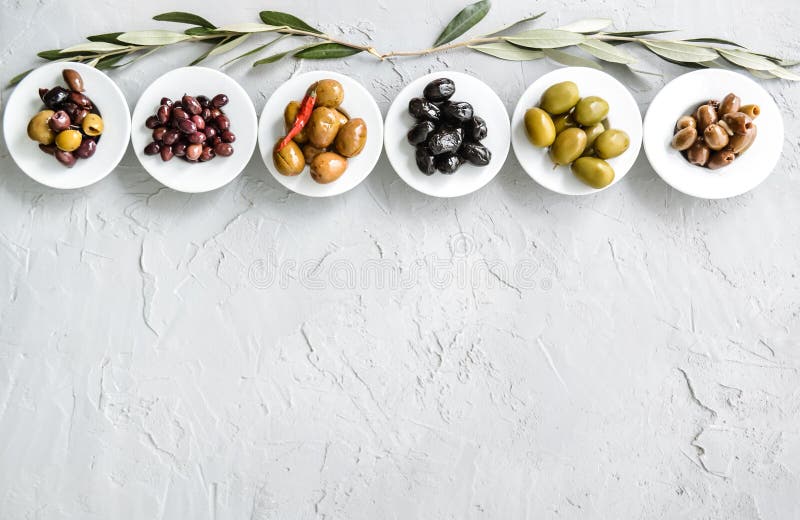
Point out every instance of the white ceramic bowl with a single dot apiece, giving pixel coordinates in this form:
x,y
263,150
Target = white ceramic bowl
x,y
358,102
468,178
24,103
623,114
682,96
196,177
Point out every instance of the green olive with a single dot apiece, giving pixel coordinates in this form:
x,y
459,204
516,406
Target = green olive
x,y
539,127
310,151
92,125
351,138
289,115
592,133
330,93
611,143
568,146
322,127
39,130
590,110
327,167
69,140
560,98
593,171
563,122
289,160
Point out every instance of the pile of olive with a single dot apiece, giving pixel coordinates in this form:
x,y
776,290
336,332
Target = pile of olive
x,y
577,132
194,129
328,138
717,132
447,133
70,127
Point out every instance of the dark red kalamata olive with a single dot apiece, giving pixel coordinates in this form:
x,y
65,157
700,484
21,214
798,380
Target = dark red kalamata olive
x,y
80,100
196,137
216,140
191,105
163,114
210,132
219,101
66,158
206,114
151,122
152,148
54,97
193,151
170,137
207,154
199,122
166,101
187,126
227,136
158,133
204,101
223,149
42,93
49,149
166,153
179,113
179,149
86,149
59,121
215,112
222,122
79,115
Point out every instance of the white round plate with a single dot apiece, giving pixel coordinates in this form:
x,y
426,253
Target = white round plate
x,y
682,96
623,114
468,178
24,103
196,177
358,102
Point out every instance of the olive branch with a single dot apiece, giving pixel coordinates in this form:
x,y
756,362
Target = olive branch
x,y
589,37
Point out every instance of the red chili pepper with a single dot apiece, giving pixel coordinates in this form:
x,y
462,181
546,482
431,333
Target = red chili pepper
x,y
302,117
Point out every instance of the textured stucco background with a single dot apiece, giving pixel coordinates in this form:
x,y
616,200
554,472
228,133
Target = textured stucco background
x,y
253,354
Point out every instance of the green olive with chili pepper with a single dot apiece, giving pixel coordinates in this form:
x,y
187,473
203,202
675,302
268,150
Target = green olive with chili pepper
x,y
289,115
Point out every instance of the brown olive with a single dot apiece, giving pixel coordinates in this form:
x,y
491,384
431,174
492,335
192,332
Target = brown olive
x,y
351,138
705,115
179,149
739,143
42,93
49,149
158,133
752,111
196,138
167,101
80,100
322,127
86,149
179,113
73,79
289,115
227,136
187,126
698,153
739,122
721,159
170,137
288,160
222,122
722,124
193,152
59,121
151,122
163,114
66,158
341,117
715,137
38,128
223,149
730,103
191,105
199,122
310,151
684,138
166,153
330,93
207,154
152,148
219,101
327,167
686,121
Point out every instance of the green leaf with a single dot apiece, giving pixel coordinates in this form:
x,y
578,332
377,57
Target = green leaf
x,y
257,49
56,54
16,79
278,18
154,37
200,58
229,45
607,52
108,38
760,74
108,62
463,22
198,31
507,51
93,47
571,60
746,59
275,57
518,22
681,52
714,40
589,25
326,51
249,27
785,74
546,38
785,63
636,34
181,17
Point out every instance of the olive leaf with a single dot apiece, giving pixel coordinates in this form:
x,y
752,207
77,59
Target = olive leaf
x,y
546,38
746,59
518,22
108,62
153,37
571,60
182,17
507,51
257,49
680,52
198,31
782,73
636,34
56,54
589,25
93,47
463,22
607,52
279,56
714,40
326,51
108,38
285,19
249,27
229,45
16,79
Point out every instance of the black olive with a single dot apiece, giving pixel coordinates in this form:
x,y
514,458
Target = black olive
x,y
439,90
448,163
424,110
425,161
475,153
54,97
457,112
420,132
476,128
444,140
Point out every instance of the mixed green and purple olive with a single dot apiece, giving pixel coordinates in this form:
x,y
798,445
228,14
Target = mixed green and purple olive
x,y
447,133
577,133
70,126
716,133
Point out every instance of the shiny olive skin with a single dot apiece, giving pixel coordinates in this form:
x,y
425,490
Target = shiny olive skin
x,y
86,149
445,140
39,129
685,138
590,110
69,140
422,109
330,93
289,115
166,153
686,122
310,151
223,149
698,153
68,159
54,97
752,111
419,133
152,148
568,146
191,105
705,115
448,163
92,125
219,101
739,143
476,128
730,103
539,127
592,133
49,149
611,143
563,122
720,159
559,98
327,167
341,117
351,138
80,100
439,90
457,112
425,161
595,172
288,161
739,122
475,153
715,137
59,121
193,152
322,127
